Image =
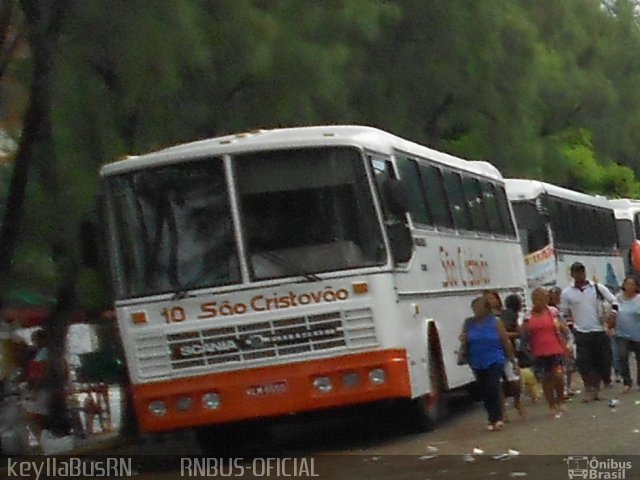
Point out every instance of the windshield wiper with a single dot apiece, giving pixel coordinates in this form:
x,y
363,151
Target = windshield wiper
x,y
290,266
183,291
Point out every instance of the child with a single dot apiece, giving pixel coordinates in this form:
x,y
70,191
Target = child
x,y
512,377
567,332
530,384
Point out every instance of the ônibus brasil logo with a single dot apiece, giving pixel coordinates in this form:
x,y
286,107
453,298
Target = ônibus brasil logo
x,y
593,468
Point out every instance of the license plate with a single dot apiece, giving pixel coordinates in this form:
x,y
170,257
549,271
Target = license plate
x,y
271,388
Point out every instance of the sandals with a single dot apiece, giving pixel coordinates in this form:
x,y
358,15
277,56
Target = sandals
x,y
495,427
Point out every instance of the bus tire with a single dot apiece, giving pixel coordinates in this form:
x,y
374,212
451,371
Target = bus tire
x,y
634,253
428,410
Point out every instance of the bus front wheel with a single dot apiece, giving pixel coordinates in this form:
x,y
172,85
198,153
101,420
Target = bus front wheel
x,y
427,410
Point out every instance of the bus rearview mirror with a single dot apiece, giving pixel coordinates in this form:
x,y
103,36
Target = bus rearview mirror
x,y
397,196
400,241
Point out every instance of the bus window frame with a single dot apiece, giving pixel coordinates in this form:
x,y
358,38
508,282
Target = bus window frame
x,y
492,186
507,232
458,179
385,213
364,155
368,156
475,181
636,225
420,162
572,219
631,230
416,164
504,208
424,165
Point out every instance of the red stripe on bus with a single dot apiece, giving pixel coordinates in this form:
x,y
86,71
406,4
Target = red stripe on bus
x,y
272,391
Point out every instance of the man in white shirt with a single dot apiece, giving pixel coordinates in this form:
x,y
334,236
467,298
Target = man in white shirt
x,y
579,302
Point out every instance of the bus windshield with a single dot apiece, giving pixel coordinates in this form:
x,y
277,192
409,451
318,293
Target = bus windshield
x,y
534,234
302,212
306,211
173,229
625,232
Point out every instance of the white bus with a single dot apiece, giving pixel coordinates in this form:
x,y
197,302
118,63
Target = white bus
x,y
277,272
627,212
559,226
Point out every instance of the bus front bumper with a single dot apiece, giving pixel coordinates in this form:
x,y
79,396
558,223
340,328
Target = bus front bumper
x,y
272,391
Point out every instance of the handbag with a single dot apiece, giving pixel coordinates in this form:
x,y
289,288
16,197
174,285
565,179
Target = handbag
x,y
604,310
523,352
561,338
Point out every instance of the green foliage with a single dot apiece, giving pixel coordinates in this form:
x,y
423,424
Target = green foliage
x,y
544,89
577,157
578,168
92,291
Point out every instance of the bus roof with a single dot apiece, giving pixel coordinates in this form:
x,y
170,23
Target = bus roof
x,y
523,189
625,208
338,135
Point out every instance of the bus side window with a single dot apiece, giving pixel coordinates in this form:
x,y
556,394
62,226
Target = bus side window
x,y
491,207
433,187
476,207
575,218
411,182
612,238
557,225
503,206
457,202
596,241
579,238
625,232
567,223
382,174
602,221
636,225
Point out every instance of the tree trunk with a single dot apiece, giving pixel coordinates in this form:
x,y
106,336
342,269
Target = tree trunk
x,y
43,19
57,325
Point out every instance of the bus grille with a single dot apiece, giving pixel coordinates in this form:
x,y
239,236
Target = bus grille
x,y
224,348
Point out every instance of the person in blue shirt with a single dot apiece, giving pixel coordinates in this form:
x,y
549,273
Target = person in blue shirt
x,y
488,347
627,329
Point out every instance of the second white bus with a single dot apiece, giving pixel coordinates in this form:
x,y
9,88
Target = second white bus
x,y
559,226
627,212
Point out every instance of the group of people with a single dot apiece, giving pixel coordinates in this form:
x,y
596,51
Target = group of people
x,y
20,362
583,327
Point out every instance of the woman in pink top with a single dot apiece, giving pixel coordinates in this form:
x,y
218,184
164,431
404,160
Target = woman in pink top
x,y
543,332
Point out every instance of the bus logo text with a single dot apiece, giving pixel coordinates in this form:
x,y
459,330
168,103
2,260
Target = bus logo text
x,y
465,269
238,343
264,303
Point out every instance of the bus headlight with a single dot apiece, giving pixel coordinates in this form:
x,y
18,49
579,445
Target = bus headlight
x,y
323,384
377,376
351,380
184,403
158,408
211,401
